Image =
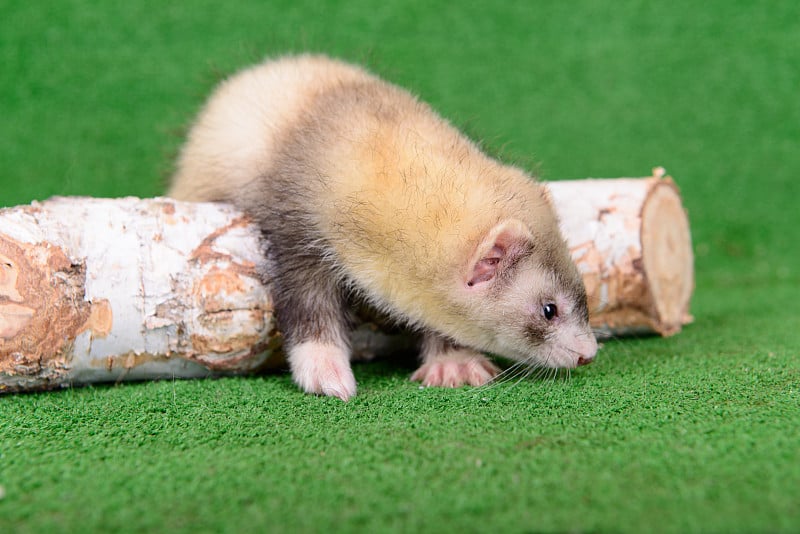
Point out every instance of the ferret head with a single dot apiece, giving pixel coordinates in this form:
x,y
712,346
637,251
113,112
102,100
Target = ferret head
x,y
525,298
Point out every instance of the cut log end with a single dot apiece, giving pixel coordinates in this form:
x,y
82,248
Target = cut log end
x,y
667,259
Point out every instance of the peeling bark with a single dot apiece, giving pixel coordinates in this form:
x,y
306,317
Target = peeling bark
x,y
95,290
98,290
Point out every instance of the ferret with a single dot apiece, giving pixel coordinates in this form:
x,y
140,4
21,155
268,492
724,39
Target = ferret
x,y
363,193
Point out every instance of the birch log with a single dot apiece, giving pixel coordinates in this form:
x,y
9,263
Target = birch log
x,y
98,290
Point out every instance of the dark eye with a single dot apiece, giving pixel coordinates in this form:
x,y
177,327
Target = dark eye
x,y
550,311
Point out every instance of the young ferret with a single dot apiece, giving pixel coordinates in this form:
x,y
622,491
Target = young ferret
x,y
364,193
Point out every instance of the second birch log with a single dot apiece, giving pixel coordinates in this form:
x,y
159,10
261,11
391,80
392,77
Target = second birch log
x,y
631,242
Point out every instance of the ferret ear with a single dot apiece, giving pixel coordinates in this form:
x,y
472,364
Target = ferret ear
x,y
498,249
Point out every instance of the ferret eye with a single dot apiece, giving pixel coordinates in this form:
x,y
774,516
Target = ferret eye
x,y
550,311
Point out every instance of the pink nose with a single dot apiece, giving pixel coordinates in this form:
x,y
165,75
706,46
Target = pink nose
x,y
589,351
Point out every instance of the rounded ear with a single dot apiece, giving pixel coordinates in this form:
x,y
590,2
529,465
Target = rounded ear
x,y
499,249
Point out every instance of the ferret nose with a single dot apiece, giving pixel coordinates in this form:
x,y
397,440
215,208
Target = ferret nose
x,y
590,351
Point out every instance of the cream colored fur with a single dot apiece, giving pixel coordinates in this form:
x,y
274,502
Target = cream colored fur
x,y
236,133
404,201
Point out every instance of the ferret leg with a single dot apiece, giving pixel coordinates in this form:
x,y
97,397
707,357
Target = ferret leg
x,y
446,364
311,313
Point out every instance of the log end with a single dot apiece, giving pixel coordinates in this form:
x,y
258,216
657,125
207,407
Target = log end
x,y
42,309
667,258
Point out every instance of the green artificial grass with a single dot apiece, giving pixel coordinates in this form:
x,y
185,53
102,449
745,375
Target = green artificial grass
x,y
694,433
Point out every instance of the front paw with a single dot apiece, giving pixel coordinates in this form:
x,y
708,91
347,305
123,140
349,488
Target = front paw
x,y
456,368
323,369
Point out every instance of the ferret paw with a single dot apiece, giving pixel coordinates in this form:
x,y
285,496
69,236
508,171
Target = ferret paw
x,y
456,368
323,369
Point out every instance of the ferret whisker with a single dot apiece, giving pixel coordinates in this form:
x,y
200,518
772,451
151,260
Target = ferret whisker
x,y
500,379
551,375
523,375
518,372
524,370
504,382
546,367
502,375
527,367
541,374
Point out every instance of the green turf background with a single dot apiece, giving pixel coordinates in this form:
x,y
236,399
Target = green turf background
x,y
698,432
